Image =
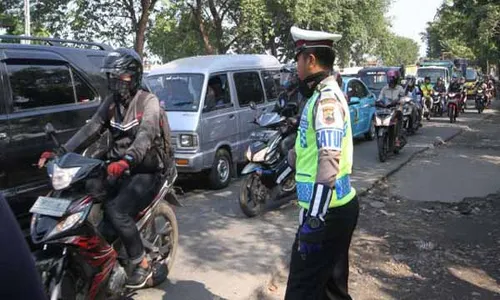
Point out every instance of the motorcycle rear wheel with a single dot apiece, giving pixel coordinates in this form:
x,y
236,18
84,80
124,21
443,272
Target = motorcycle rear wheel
x,y
250,206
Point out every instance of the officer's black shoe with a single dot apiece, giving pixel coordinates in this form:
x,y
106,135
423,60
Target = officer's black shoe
x,y
139,277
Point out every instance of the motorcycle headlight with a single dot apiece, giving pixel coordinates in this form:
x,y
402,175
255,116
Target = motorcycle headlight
x,y
188,140
68,223
260,156
62,177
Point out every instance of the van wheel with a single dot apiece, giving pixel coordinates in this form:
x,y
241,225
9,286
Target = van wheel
x,y
220,174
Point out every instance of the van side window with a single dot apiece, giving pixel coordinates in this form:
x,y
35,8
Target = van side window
x,y
38,85
217,95
249,88
271,84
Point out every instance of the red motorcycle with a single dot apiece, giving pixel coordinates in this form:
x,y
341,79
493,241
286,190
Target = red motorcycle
x,y
80,261
454,105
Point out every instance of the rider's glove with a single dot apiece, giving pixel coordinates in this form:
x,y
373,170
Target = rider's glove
x,y
46,155
116,169
311,235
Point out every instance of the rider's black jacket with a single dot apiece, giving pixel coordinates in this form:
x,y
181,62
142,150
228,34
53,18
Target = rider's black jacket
x,y
137,129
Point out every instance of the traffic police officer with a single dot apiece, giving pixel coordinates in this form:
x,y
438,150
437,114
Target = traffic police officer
x,y
323,162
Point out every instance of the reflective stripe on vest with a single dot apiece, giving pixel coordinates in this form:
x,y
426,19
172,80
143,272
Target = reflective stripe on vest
x,y
306,147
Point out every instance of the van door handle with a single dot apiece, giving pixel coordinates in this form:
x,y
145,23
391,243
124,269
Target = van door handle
x,y
231,117
3,135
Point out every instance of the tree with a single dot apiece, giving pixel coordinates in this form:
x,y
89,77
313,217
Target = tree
x,y
469,29
400,51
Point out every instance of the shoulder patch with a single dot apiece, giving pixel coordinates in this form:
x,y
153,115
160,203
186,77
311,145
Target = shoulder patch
x,y
328,110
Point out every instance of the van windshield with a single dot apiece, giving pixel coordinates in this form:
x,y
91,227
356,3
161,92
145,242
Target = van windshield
x,y
177,92
374,80
434,74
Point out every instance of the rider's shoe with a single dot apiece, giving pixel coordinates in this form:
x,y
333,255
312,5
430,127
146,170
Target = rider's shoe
x,y
139,277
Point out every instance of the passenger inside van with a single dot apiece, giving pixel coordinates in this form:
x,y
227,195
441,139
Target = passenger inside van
x,y
216,96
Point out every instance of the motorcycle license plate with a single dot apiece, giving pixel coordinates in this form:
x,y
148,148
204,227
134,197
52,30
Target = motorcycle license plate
x,y
48,206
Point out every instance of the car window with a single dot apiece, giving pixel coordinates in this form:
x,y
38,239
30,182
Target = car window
x,y
361,90
351,92
248,88
217,95
37,85
271,84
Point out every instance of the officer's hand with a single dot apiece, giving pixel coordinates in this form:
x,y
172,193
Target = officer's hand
x,y
310,240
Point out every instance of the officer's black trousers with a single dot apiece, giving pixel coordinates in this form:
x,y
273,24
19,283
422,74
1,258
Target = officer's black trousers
x,y
323,275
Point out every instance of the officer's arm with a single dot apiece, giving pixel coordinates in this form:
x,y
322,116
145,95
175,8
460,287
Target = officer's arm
x,y
149,129
329,126
90,132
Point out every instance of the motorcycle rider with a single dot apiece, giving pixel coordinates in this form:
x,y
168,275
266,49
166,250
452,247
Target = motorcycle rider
x,y
414,92
490,91
290,95
427,91
393,93
319,265
139,139
441,88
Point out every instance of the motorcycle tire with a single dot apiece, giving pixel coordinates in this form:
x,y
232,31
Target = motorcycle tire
x,y
383,147
451,114
165,211
246,197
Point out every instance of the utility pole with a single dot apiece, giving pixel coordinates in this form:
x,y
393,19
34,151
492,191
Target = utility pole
x,y
27,20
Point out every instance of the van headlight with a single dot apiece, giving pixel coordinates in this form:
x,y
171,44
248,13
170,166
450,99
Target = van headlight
x,y
188,140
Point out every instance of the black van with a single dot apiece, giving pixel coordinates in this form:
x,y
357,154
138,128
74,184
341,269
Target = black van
x,y
42,80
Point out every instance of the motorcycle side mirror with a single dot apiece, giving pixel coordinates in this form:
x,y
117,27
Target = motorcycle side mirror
x,y
49,129
253,106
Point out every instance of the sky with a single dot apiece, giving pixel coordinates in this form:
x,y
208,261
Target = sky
x,y
409,18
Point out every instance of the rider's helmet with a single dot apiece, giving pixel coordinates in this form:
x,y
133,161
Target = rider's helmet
x,y
288,76
427,79
117,65
462,79
392,77
439,80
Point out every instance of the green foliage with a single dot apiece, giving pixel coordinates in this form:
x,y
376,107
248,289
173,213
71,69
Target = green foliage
x,y
468,29
400,51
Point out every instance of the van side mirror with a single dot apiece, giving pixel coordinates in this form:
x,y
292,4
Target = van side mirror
x,y
253,106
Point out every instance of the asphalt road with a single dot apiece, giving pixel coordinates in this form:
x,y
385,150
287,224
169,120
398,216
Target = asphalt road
x,y
224,255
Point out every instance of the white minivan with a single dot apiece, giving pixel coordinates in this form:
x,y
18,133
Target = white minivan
x,y
207,100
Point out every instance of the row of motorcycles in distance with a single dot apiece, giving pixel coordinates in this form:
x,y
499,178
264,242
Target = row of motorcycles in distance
x,y
268,151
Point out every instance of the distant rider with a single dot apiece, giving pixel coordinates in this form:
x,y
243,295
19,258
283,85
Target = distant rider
x,y
427,90
390,95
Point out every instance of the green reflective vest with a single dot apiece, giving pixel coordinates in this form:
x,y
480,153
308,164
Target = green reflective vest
x,y
306,147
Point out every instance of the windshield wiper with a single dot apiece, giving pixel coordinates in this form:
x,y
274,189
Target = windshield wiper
x,y
182,103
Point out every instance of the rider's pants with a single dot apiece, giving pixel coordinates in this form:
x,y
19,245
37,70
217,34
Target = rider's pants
x,y
135,193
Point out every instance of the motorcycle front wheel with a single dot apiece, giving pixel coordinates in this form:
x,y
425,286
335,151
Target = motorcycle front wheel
x,y
452,114
383,147
249,202
165,235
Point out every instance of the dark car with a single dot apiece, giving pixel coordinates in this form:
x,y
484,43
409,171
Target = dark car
x,y
375,78
48,80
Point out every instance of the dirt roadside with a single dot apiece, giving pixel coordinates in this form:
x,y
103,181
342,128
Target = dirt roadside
x,y
407,249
